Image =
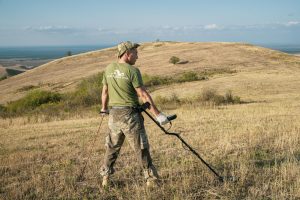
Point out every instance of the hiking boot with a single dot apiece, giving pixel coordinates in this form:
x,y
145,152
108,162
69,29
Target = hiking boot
x,y
105,181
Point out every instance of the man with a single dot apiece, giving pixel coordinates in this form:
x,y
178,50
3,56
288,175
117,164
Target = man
x,y
122,85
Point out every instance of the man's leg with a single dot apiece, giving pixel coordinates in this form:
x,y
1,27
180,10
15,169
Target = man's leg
x,y
137,137
113,146
150,172
114,142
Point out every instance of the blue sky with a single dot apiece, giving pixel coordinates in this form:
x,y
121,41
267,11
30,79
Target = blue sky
x,y
101,22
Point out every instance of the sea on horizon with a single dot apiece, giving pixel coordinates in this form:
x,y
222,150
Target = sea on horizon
x,y
45,52
54,52
30,57
286,48
37,55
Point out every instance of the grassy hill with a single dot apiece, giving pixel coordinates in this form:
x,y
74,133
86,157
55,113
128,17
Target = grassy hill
x,y
2,71
256,141
63,74
11,71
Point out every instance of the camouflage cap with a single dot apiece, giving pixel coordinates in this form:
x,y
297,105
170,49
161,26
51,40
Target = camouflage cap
x,y
125,46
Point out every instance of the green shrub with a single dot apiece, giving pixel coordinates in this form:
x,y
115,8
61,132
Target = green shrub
x,y
171,102
33,100
237,100
164,100
208,94
155,80
52,110
3,111
214,71
159,100
163,80
211,96
3,78
27,87
174,60
87,93
2,108
189,76
230,99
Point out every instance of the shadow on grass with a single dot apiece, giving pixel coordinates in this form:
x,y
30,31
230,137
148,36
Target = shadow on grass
x,y
266,158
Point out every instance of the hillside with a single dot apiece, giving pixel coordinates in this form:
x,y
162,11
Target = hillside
x,y
12,70
63,74
2,71
256,141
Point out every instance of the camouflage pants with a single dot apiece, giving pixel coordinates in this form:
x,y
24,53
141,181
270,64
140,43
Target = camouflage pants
x,y
127,122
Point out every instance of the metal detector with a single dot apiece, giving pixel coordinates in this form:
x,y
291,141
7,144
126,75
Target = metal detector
x,y
80,177
146,105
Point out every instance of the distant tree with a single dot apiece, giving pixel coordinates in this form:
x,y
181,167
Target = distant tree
x,y
174,60
69,53
157,40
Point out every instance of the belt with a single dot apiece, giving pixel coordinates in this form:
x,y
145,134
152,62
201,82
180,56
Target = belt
x,y
134,109
121,107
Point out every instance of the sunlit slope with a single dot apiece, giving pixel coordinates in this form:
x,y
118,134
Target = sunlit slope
x,y
250,62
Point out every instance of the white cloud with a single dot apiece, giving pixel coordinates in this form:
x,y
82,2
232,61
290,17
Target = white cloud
x,y
106,30
163,31
47,28
211,27
166,27
170,28
53,29
115,31
251,26
292,23
269,26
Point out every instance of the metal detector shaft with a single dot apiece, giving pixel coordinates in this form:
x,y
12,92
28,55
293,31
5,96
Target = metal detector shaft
x,y
186,144
80,176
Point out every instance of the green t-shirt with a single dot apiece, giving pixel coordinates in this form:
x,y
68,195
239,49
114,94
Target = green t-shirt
x,y
122,79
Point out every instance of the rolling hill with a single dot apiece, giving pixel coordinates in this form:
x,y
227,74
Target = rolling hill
x,y
2,71
256,141
63,74
11,71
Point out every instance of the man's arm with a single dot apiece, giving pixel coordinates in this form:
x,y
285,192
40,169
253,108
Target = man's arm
x,y
145,96
104,98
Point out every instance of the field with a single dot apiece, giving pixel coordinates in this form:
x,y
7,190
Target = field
x,y
256,141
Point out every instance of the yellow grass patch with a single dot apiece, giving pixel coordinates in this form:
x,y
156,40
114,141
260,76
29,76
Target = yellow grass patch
x,y
257,142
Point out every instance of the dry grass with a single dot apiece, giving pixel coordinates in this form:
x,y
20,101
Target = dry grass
x,y
258,142
63,74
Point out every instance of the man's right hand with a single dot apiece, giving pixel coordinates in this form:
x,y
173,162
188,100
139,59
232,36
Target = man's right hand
x,y
162,119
